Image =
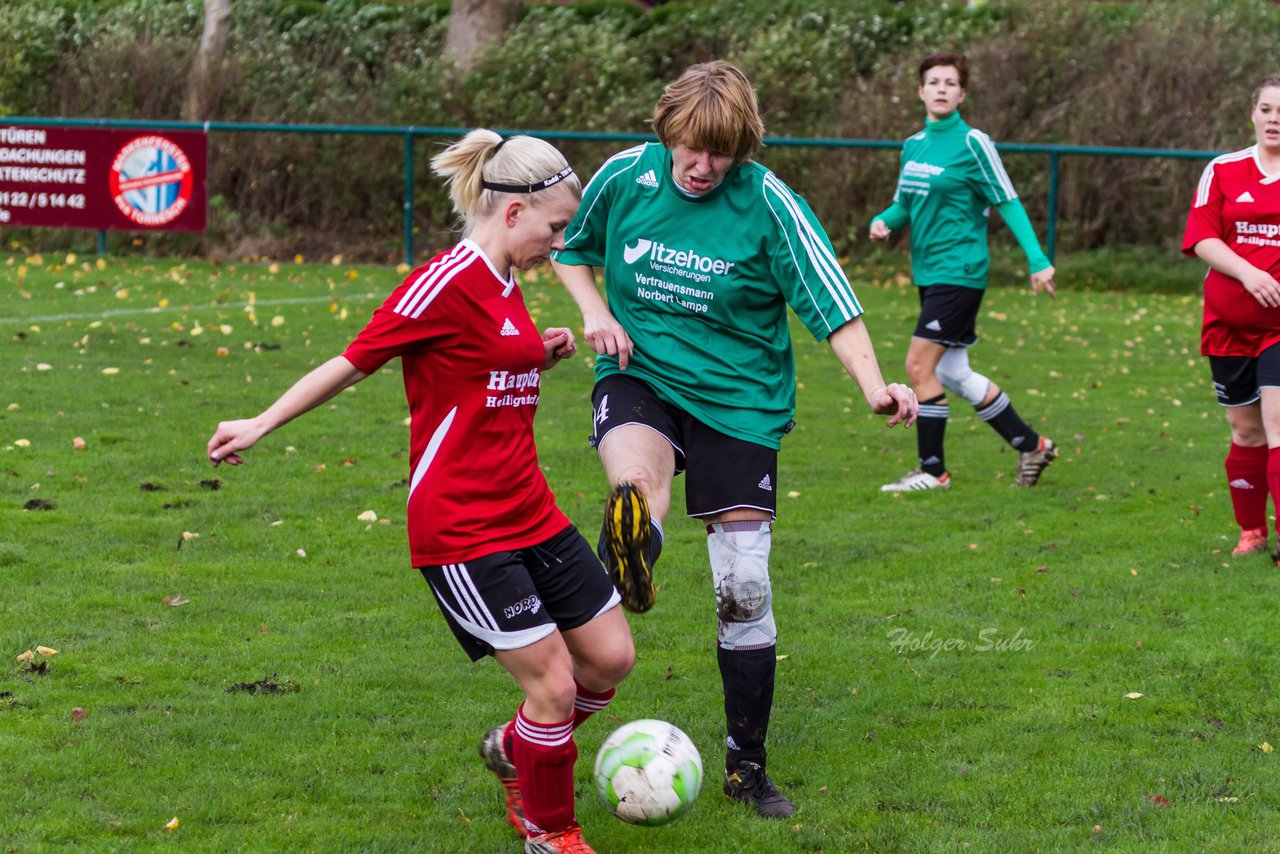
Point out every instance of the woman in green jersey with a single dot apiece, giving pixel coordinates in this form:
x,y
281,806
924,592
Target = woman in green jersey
x,y
951,178
703,250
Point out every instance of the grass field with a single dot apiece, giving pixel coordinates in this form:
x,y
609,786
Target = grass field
x,y
958,670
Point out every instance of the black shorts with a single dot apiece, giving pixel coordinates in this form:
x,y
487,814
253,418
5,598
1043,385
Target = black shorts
x,y
948,314
722,473
509,600
1239,380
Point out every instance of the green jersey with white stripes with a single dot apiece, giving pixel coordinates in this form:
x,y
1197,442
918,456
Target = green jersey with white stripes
x,y
951,176
702,285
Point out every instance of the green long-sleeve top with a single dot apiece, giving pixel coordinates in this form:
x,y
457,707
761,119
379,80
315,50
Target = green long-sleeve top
x,y
951,177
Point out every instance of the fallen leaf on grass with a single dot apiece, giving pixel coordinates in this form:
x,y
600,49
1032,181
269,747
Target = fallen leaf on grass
x,y
175,601
1265,747
1133,695
172,825
77,443
44,650
1159,800
368,516
78,714
26,656
22,443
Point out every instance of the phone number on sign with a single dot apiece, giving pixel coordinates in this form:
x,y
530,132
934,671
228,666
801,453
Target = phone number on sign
x,y
42,200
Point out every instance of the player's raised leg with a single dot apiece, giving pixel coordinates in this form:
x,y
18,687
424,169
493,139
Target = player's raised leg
x,y
640,464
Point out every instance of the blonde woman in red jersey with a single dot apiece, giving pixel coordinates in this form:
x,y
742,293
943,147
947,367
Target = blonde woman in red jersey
x,y
513,578
1234,226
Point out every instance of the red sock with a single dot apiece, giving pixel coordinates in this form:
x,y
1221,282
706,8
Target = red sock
x,y
587,703
544,755
1247,470
1273,485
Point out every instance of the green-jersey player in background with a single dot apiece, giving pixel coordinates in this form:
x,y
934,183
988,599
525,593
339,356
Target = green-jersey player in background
x,y
951,178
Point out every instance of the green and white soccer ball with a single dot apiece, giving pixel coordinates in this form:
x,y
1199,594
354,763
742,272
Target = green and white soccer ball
x,y
648,772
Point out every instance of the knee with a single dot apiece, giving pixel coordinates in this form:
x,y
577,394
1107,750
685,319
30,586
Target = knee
x,y
744,596
1247,426
743,600
919,370
607,665
642,477
1249,437
553,692
611,668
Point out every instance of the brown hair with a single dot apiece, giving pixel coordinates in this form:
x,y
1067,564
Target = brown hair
x,y
1271,82
483,155
946,57
712,107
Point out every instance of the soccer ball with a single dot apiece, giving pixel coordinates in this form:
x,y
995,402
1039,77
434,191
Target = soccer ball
x,y
648,772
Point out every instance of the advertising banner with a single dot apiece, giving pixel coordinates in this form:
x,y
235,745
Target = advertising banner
x,y
131,180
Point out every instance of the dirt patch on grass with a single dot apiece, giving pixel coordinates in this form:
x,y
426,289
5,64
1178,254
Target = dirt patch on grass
x,y
270,685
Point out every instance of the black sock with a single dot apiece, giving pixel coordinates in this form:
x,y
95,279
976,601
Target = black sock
x,y
931,430
747,675
1005,420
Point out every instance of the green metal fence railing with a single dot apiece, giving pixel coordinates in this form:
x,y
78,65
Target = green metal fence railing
x,y
410,133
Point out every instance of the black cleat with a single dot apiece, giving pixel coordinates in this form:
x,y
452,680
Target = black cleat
x,y
749,783
495,757
627,531
1033,463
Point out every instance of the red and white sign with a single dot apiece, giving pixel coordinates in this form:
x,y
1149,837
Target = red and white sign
x,y
102,179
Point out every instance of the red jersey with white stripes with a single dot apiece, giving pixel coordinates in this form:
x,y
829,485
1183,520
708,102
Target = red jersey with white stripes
x,y
1239,203
472,361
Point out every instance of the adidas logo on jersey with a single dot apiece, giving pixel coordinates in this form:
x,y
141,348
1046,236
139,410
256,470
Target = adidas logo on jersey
x,y
1240,483
509,328
648,179
1246,196
933,326
766,484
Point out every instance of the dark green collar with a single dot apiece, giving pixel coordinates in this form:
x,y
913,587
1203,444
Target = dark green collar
x,y
943,125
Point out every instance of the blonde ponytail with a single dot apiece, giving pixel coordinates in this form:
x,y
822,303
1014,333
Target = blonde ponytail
x,y
519,164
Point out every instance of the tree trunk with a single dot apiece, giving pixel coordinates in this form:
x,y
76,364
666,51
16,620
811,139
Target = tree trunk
x,y
475,26
217,22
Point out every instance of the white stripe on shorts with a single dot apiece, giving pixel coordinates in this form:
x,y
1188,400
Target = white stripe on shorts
x,y
478,621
